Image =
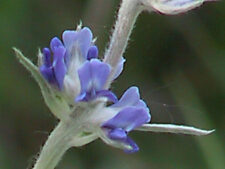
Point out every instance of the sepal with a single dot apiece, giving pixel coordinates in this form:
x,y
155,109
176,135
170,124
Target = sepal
x,y
53,98
83,138
173,128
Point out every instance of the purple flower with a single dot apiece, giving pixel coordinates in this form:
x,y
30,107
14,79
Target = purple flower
x,y
79,45
72,65
54,68
76,45
75,68
92,52
132,113
93,75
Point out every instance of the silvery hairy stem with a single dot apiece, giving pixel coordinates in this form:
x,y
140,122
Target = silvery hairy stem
x,y
67,134
54,148
128,13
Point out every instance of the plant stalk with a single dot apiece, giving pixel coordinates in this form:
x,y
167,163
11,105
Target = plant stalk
x,y
127,15
56,145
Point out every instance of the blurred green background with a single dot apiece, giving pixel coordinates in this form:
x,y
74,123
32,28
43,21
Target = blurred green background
x,y
177,61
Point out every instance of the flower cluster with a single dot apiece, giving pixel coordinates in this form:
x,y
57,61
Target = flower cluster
x,y
75,85
72,67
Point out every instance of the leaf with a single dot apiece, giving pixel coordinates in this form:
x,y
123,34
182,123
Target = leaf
x,y
172,128
52,97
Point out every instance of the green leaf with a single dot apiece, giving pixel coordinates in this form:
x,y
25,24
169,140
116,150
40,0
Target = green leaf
x,y
53,98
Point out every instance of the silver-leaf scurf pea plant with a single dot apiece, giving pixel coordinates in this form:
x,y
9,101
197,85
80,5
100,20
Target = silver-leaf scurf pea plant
x,y
75,85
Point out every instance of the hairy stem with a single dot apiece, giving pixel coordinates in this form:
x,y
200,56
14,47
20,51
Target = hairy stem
x,y
127,16
66,135
57,144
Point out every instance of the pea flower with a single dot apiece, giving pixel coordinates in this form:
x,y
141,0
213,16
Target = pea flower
x,y
129,113
75,85
73,82
120,118
72,65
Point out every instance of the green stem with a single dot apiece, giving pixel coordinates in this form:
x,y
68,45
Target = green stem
x,y
128,13
57,144
66,135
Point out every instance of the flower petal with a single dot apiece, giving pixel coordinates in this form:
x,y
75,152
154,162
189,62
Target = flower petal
x,y
92,53
48,74
130,98
93,75
85,77
55,43
82,38
47,57
85,37
128,119
132,144
77,44
142,104
118,134
59,65
69,37
108,94
100,72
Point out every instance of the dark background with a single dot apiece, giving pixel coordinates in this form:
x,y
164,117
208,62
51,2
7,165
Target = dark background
x,y
177,61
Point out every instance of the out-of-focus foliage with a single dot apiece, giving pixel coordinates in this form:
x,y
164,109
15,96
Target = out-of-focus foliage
x,y
177,61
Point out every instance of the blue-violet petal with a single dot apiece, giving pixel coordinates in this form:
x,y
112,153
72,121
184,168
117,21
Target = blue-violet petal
x,y
128,119
131,97
47,58
108,94
93,75
92,52
55,43
59,65
118,134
